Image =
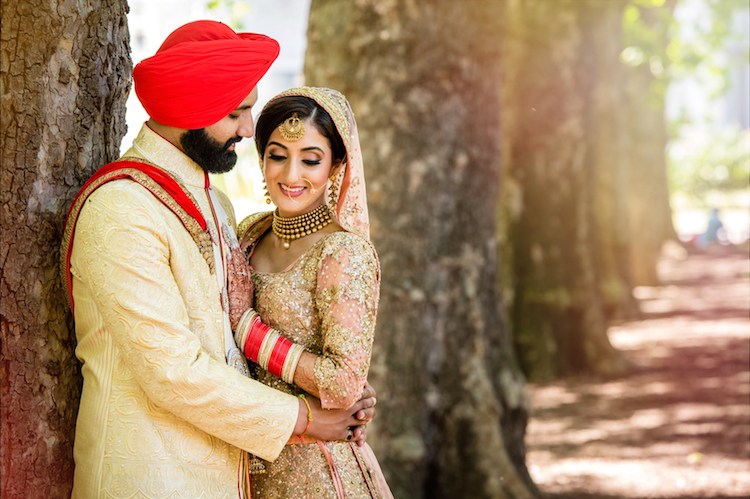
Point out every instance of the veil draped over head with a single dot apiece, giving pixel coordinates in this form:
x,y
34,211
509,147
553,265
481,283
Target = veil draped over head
x,y
346,198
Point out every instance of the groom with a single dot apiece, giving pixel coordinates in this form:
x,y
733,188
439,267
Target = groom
x,y
165,409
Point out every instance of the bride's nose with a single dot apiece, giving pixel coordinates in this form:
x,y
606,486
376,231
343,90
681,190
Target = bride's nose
x,y
293,171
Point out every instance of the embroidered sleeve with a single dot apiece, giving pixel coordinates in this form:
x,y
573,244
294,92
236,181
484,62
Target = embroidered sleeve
x,y
124,252
346,300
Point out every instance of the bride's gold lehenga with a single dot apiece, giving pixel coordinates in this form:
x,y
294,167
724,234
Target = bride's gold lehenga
x,y
326,301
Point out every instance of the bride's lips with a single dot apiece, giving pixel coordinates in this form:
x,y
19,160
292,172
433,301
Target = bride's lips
x,y
290,191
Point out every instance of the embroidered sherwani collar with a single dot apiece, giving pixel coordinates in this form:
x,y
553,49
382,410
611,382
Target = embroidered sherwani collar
x,y
151,146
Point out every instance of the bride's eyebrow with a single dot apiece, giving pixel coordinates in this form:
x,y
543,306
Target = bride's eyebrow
x,y
313,148
273,143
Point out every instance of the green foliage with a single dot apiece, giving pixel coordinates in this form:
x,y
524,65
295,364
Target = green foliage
x,y
717,161
235,10
677,49
703,53
652,36
646,24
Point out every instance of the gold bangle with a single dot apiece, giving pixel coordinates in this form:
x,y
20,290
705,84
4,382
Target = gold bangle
x,y
309,413
243,328
290,363
266,348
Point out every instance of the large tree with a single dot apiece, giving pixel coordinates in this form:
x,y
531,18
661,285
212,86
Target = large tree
x,y
65,74
565,203
424,81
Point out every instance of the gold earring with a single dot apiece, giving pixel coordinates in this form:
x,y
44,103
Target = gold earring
x,y
265,192
332,190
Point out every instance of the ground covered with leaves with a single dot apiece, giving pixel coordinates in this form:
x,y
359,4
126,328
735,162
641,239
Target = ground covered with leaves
x,y
678,425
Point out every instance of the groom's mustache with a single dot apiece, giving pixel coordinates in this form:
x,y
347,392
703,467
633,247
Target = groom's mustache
x,y
231,141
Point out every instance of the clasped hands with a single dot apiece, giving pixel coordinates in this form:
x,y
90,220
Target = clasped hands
x,y
338,424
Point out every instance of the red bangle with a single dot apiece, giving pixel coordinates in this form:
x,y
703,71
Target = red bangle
x,y
255,337
278,356
275,347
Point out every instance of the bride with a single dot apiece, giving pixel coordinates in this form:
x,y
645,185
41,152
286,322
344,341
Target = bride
x,y
316,277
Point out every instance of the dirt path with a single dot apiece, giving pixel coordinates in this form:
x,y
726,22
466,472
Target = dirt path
x,y
679,425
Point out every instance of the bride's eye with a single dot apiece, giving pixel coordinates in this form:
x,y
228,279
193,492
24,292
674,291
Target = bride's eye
x,y
276,157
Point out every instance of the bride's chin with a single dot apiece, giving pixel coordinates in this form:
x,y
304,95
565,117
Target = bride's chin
x,y
293,208
288,209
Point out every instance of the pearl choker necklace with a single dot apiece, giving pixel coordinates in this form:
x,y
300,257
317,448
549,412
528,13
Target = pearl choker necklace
x,y
289,229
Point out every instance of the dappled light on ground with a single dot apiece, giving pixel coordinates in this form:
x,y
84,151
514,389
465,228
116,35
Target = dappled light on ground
x,y
677,426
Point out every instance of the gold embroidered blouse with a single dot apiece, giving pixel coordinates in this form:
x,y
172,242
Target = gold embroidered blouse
x,y
326,301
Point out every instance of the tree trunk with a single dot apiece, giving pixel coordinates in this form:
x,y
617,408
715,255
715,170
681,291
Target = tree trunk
x,y
424,81
650,213
65,74
606,134
564,208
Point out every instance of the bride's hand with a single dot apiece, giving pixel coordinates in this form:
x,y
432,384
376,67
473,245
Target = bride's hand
x,y
240,283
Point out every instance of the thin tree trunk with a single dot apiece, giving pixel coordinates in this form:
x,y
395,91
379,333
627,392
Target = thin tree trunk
x,y
65,74
424,81
606,133
650,214
563,236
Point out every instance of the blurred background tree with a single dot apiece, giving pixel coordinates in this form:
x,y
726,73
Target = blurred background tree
x,y
646,28
564,224
424,80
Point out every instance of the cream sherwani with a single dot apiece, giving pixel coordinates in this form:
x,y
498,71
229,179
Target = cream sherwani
x,y
162,415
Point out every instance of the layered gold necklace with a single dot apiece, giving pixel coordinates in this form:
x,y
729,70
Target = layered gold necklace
x,y
289,229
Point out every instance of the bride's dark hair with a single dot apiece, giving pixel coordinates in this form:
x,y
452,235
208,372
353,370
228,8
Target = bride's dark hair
x,y
279,110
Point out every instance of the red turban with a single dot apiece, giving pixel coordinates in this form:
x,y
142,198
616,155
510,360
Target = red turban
x,y
201,73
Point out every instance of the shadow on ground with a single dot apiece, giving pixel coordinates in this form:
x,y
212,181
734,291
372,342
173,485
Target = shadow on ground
x,y
678,425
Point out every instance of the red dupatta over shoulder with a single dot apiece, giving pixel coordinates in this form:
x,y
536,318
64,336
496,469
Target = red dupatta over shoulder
x,y
161,184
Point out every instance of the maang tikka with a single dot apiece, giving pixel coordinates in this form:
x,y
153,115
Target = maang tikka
x,y
292,129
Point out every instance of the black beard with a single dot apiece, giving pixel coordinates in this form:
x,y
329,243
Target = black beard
x,y
209,153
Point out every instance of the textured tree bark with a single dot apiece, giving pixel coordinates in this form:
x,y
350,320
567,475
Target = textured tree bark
x,y
65,73
563,209
424,81
650,214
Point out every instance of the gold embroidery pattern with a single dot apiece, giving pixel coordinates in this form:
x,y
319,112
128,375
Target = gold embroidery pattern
x,y
201,238
253,221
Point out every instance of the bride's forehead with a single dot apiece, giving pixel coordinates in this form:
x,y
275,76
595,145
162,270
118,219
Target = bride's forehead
x,y
311,137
